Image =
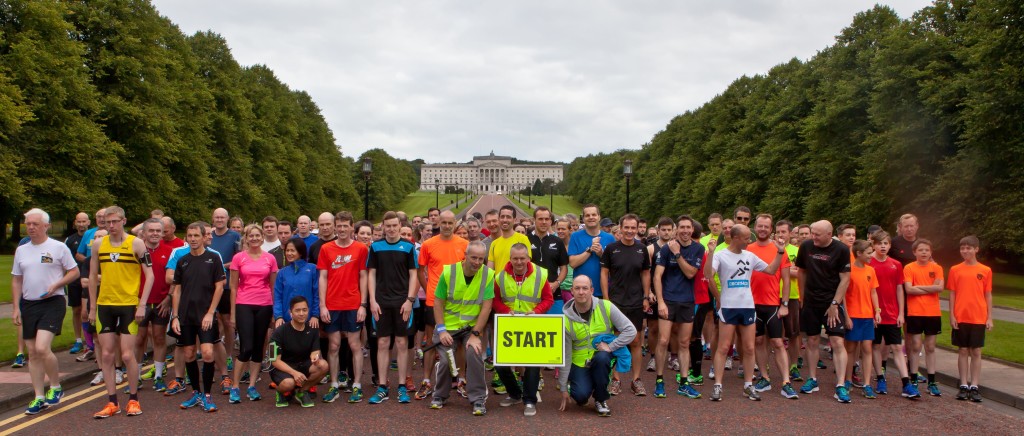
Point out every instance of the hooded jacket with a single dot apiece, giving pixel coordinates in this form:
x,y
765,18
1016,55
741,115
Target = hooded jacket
x,y
619,322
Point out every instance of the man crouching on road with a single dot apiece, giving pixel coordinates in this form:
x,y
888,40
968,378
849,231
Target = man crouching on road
x,y
587,367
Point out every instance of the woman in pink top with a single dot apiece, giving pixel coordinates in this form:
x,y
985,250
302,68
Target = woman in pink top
x,y
253,273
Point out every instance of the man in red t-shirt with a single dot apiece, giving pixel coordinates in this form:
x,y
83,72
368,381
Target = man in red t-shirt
x,y
769,309
343,303
158,306
168,238
891,300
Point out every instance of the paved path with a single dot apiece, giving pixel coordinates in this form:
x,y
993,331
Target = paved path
x,y
488,202
999,313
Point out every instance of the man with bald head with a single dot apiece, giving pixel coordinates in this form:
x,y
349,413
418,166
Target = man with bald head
x,y
325,222
226,242
303,226
85,248
169,239
74,288
824,275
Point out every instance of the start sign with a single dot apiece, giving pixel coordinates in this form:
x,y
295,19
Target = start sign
x,y
529,340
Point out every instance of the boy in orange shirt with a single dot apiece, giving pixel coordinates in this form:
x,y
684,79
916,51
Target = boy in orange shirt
x,y
923,282
970,314
862,313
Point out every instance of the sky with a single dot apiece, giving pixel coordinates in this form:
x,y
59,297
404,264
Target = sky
x,y
446,80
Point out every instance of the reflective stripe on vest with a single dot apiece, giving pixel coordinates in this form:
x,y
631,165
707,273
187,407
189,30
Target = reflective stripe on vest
x,y
463,309
583,333
521,298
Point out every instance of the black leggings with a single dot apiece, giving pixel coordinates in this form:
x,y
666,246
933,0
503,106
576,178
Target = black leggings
x,y
252,322
696,348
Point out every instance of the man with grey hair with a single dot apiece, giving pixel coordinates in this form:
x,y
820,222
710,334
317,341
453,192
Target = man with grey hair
x,y
473,226
41,269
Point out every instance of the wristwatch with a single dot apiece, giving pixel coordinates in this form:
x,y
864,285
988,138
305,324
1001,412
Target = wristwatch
x,y
785,304
411,299
835,303
677,255
476,333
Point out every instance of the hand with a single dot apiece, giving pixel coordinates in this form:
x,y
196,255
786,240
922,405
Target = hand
x,y
832,316
315,356
280,322
849,323
300,378
92,315
783,311
208,321
314,322
325,314
474,343
375,311
899,321
647,305
952,321
988,324
878,318
361,314
596,248
663,311
793,271
712,243
781,245
406,310
50,290
446,339
565,399
140,314
603,346
164,308
16,315
176,326
673,246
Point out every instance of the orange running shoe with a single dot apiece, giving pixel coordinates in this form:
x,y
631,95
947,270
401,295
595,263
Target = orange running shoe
x,y
109,410
409,384
133,408
225,385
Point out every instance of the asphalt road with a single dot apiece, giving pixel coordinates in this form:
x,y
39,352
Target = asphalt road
x,y
489,202
818,413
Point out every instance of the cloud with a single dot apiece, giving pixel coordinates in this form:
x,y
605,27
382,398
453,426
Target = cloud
x,y
447,80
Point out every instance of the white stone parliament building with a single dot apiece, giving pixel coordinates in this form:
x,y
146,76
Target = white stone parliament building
x,y
487,174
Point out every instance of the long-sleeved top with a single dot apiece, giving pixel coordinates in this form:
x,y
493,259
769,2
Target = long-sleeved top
x,y
297,278
547,298
619,322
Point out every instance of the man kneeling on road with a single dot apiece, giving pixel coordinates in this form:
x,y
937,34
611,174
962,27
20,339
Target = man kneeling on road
x,y
295,356
587,366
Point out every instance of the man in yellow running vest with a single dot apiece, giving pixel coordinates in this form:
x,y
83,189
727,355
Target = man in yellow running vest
x,y
122,260
587,369
463,298
522,289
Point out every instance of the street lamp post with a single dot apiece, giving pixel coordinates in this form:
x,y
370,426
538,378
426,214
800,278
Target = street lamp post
x,y
437,195
552,204
367,170
627,170
456,195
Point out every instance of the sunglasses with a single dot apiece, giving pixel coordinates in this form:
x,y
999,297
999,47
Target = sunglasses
x,y
743,218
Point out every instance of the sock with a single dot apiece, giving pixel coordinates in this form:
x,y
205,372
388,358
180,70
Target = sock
x,y
884,365
963,386
931,377
159,369
696,353
88,336
697,366
880,377
426,380
40,397
660,378
112,399
335,384
357,385
209,370
747,384
78,340
974,387
192,369
56,386
905,381
133,397
179,380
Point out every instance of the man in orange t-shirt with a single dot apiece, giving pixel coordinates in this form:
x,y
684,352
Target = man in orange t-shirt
x,y
435,253
970,314
923,281
863,312
769,309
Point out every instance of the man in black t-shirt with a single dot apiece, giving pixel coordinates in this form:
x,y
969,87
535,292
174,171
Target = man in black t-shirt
x,y
903,244
626,280
198,285
549,251
295,356
824,275
75,289
325,224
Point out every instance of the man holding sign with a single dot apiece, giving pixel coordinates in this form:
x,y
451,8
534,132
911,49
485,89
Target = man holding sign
x,y
463,298
522,289
587,366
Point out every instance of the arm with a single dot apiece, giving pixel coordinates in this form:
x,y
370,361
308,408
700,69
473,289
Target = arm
x,y
175,302
70,275
645,283
414,287
934,288
604,283
785,285
688,270
147,271
774,266
913,290
562,271
94,271
364,297
627,332
801,277
709,273
234,293
498,305
279,299
371,289
877,311
421,276
901,301
844,284
218,290
16,283
988,302
325,314
547,299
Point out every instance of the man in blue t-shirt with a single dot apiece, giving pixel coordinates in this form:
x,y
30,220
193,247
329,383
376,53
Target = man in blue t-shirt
x,y
226,242
85,246
586,247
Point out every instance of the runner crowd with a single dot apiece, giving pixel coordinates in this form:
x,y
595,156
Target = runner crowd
x,y
307,301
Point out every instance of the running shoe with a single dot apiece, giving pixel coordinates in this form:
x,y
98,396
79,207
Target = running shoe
x,y
208,405
811,385
869,392
235,396
37,405
193,401
540,384
231,362
97,380
403,394
711,373
76,348
881,386
380,396
602,409
794,373
409,384
159,385
716,393
659,388
489,364
424,391
174,388
933,389
694,379
495,380
280,400
739,371
53,396
751,393
910,391
530,409
253,394
975,395
394,365
304,400
821,364
118,376
245,378
479,409
509,401
109,410
673,363
688,391
331,395
461,389
86,356
842,394
615,387
19,361
857,382
265,366
225,385
638,388
963,393
728,363
133,408
918,378
763,385
652,365
436,403
357,395
788,392
149,374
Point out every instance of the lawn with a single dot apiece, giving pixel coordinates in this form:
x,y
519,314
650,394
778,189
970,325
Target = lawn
x,y
9,344
1007,291
5,277
417,203
1002,342
562,204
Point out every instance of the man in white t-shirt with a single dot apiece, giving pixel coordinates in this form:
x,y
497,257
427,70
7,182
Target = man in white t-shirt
x,y
735,266
42,268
